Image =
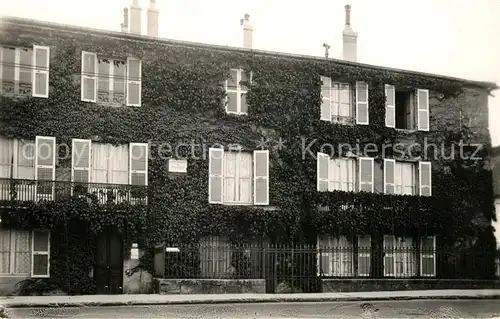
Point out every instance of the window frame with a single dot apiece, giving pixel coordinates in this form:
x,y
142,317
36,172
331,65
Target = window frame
x,y
239,90
40,253
111,80
12,254
335,103
433,256
402,186
17,69
237,178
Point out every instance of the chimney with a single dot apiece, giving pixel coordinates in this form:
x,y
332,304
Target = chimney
x,y
135,17
247,31
125,20
350,38
153,13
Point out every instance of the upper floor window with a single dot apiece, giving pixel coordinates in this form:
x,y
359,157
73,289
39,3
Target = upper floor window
x,y
238,177
401,178
406,108
17,158
236,89
24,71
107,81
343,104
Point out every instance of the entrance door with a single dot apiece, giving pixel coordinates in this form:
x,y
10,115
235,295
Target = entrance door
x,y
108,271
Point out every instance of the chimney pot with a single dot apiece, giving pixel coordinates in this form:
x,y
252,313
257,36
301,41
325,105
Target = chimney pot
x,y
349,38
125,20
348,14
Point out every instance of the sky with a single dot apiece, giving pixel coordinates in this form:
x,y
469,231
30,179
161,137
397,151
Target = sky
x,y
458,38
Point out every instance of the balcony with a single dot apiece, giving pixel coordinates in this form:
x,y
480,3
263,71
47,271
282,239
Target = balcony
x,y
23,190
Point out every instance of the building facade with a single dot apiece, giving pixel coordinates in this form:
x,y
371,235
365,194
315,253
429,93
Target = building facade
x,y
111,140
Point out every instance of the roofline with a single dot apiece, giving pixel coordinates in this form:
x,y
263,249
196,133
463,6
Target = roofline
x,y
490,86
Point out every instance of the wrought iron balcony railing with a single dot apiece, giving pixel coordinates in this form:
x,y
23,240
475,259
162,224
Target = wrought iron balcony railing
x,y
24,190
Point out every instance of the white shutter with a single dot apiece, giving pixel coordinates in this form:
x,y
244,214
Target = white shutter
x,y
89,77
324,257
364,255
81,159
40,77
326,93
134,86
366,174
428,256
425,178
389,258
322,170
40,254
423,109
362,108
390,106
215,175
261,177
138,164
45,166
389,175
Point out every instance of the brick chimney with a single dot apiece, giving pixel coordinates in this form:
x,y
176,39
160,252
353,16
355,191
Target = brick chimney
x,y
135,18
350,39
153,13
247,29
125,20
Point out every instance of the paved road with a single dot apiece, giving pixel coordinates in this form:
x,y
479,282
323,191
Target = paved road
x,y
378,309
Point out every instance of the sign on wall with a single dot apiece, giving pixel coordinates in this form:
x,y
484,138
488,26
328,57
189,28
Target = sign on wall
x,y
177,166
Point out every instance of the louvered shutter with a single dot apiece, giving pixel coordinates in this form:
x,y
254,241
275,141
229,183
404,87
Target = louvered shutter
x,y
366,174
40,78
134,81
428,256
423,109
89,77
425,178
389,260
326,93
364,255
138,164
45,166
80,156
389,173
362,107
322,171
390,106
261,177
215,171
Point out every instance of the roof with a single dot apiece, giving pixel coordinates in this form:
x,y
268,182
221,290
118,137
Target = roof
x,y
490,86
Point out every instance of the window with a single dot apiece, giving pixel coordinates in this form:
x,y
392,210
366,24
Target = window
x,y
399,256
17,158
24,71
115,82
336,174
337,101
401,178
238,177
237,89
45,166
215,257
24,252
407,108
336,256
428,256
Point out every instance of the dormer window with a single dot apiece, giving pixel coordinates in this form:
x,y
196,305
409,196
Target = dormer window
x,y
236,89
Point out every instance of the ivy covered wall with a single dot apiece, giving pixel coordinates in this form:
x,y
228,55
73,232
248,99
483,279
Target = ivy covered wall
x,y
182,102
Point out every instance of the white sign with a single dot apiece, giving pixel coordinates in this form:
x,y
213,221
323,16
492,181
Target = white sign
x,y
172,250
177,166
134,252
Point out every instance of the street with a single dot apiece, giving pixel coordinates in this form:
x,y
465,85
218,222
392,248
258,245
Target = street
x,y
377,309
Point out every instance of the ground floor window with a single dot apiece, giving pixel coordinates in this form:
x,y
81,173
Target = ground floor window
x,y
24,252
342,256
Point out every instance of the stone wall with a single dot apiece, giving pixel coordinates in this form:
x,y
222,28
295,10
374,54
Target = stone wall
x,y
8,284
209,286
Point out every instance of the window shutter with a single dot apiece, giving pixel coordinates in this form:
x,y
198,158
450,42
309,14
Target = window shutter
x,y
138,164
390,106
324,256
366,174
134,87
80,154
40,254
428,256
389,260
389,174
364,255
362,108
261,177
40,78
89,77
423,109
322,171
326,93
425,178
45,164
215,172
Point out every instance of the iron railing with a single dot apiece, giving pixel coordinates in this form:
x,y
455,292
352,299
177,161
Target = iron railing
x,y
25,190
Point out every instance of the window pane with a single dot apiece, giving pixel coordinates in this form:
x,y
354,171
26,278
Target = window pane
x,y
40,265
104,67
244,106
138,179
23,252
8,66
41,241
232,103
89,64
4,251
25,66
26,160
231,81
134,70
362,92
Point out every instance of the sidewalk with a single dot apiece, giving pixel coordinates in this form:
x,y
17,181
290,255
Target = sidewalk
x,y
125,300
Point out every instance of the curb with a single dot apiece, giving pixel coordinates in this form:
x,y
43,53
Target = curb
x,y
239,300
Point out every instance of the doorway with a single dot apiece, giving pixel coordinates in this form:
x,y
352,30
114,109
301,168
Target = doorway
x,y
108,272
